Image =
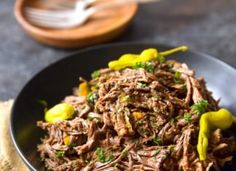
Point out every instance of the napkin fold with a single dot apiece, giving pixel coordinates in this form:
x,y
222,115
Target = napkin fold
x,y
9,159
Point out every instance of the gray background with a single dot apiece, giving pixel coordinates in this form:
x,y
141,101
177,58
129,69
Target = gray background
x,y
208,26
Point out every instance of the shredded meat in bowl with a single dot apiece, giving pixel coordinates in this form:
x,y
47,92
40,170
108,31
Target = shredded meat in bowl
x,y
136,119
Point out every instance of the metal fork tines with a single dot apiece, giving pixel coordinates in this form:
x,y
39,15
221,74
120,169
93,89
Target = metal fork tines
x,y
55,19
73,17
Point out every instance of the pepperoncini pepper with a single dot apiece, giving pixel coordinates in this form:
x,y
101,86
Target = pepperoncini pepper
x,y
221,119
67,140
129,60
83,89
59,112
137,115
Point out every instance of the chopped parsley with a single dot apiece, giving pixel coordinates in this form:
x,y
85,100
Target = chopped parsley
x,y
126,98
60,154
188,117
142,131
172,148
95,74
185,88
156,97
89,118
173,120
94,88
91,97
157,140
140,122
199,107
177,77
110,157
101,156
124,153
97,119
72,145
148,66
141,85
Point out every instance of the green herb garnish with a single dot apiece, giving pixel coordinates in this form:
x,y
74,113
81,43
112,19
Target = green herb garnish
x,y
188,117
89,118
140,122
94,88
173,120
157,140
172,149
60,154
199,107
126,98
141,85
148,66
72,145
102,156
177,77
124,153
97,119
91,97
95,74
157,97
110,157
142,131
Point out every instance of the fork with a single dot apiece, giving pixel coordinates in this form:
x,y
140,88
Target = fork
x,y
63,19
65,4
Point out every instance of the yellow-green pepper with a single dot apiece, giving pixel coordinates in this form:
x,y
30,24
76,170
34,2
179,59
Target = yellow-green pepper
x,y
83,89
129,60
221,119
59,112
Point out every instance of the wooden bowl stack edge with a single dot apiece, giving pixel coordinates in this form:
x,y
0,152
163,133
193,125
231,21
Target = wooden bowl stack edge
x,y
100,28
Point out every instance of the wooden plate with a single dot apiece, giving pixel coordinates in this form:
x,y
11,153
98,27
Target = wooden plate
x,y
101,27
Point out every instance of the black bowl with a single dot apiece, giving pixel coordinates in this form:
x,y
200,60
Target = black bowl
x,y
57,80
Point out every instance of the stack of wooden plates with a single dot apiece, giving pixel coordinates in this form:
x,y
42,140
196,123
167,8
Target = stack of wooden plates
x,y
101,27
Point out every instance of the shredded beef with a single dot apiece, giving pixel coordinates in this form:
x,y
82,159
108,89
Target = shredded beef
x,y
136,122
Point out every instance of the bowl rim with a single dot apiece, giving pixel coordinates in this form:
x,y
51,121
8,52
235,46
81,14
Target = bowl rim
x,y
71,55
34,30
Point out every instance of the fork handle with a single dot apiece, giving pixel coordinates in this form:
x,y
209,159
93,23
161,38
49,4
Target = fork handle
x,y
116,3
